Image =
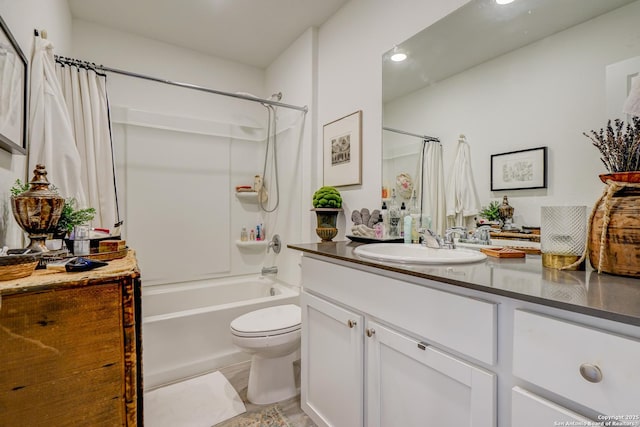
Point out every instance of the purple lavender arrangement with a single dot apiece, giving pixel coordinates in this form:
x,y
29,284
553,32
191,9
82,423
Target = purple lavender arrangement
x,y
619,145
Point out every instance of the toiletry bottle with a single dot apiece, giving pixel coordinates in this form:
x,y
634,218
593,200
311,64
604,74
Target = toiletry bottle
x,y
394,215
414,212
252,235
384,215
243,235
378,228
407,227
403,215
258,234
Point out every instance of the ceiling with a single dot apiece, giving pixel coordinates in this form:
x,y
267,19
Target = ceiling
x,y
252,32
478,32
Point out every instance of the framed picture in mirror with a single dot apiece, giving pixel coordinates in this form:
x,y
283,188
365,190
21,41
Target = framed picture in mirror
x,y
519,170
342,151
13,93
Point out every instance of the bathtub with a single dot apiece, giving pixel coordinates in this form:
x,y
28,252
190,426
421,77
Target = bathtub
x,y
185,327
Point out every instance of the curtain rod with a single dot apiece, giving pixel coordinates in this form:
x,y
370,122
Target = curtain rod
x,y
423,137
93,66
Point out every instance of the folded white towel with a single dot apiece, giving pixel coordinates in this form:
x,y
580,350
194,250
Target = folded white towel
x,y
632,105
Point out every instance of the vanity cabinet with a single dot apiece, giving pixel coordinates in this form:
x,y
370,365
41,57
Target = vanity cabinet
x,y
332,355
362,364
70,348
594,368
412,383
531,410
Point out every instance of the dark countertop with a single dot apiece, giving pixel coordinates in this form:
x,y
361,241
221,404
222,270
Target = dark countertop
x,y
601,295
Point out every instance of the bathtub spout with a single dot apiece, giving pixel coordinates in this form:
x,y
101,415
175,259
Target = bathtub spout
x,y
270,270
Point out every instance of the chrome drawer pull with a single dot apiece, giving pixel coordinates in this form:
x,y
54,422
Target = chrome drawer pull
x,y
351,323
371,332
591,373
422,345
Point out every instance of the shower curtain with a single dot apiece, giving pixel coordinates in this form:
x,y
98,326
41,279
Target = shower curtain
x,y
51,139
85,95
432,186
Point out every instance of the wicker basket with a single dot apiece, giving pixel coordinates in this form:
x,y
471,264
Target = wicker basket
x,y
17,266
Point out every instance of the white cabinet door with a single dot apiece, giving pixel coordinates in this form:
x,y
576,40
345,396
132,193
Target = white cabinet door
x,y
413,384
529,410
332,363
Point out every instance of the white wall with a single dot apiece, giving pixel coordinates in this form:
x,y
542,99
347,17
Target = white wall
x,y
293,74
544,94
350,50
22,17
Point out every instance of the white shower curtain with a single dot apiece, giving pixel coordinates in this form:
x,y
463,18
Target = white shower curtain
x,y
86,99
432,187
462,197
52,142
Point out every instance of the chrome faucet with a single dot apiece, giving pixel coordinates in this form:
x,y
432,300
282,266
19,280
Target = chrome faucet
x,y
430,239
450,233
483,234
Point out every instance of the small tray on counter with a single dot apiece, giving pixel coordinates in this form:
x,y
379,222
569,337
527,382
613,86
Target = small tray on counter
x,y
503,252
363,239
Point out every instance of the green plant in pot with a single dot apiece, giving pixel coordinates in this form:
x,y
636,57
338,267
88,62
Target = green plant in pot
x,y
327,204
613,243
491,212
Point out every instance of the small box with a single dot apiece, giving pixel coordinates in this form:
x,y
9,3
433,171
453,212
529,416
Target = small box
x,y
111,245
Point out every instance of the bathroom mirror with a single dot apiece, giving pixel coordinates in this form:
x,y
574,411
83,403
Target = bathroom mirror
x,y
528,74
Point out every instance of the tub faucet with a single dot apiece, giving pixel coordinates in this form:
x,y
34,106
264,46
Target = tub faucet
x,y
275,243
269,270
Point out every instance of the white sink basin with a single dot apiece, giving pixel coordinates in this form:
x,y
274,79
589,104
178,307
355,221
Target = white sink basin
x,y
417,254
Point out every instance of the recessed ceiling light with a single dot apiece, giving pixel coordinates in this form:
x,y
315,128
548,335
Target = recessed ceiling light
x,y
398,57
504,1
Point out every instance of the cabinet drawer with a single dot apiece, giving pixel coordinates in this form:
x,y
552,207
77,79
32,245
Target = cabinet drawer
x,y
466,325
529,410
555,354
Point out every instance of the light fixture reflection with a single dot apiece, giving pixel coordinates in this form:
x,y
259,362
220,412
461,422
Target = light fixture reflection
x,y
504,1
398,57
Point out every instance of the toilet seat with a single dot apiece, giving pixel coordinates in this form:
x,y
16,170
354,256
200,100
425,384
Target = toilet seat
x,y
276,320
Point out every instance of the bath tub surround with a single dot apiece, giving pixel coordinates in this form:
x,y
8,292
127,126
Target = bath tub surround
x,y
186,325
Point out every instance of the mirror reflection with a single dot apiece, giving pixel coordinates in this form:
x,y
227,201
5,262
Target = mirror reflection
x,y
491,79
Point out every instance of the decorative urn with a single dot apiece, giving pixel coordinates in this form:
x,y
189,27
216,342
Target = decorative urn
x,y
38,209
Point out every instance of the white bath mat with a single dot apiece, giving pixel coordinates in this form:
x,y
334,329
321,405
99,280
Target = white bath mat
x,y
199,402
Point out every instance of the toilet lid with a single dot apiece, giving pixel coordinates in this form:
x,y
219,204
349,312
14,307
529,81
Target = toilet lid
x,y
274,320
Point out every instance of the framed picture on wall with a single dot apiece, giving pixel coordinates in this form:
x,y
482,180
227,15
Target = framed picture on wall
x,y
342,151
519,170
13,93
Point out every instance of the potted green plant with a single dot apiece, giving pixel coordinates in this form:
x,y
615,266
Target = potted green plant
x,y
491,213
327,204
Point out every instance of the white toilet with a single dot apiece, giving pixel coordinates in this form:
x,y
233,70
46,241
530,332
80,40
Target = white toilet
x,y
272,336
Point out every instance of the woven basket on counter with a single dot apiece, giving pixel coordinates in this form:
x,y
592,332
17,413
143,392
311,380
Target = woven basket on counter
x,y
17,266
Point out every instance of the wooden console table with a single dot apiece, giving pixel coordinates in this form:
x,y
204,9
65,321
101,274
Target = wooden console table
x,y
70,348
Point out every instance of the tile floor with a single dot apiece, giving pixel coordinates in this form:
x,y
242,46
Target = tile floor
x,y
238,376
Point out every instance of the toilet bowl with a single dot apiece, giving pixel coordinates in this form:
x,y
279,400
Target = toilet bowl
x,y
272,336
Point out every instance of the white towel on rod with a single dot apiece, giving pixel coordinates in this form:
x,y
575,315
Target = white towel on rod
x,y
462,197
632,104
432,186
51,133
